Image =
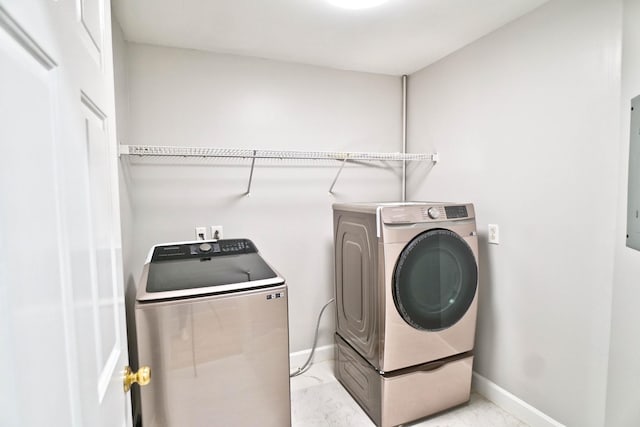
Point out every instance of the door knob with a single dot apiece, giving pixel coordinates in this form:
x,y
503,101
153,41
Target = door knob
x,y
142,377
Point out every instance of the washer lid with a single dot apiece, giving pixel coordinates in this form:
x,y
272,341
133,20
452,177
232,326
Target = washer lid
x,y
204,267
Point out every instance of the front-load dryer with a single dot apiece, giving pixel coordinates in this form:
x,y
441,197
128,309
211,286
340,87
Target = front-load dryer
x,y
406,277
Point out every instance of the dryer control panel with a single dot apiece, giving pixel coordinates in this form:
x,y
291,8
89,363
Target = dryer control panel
x,y
455,212
426,213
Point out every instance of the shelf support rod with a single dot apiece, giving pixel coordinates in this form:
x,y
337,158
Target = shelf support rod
x,y
333,184
253,163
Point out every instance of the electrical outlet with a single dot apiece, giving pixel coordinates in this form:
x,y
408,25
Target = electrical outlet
x,y
494,234
201,233
216,232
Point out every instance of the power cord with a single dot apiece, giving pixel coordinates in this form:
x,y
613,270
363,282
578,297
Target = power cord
x,y
304,368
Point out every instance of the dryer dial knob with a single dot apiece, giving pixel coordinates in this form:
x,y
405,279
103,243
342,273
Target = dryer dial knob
x,y
205,247
434,213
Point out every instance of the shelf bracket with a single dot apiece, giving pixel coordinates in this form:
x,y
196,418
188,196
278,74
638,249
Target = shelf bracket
x,y
253,163
333,184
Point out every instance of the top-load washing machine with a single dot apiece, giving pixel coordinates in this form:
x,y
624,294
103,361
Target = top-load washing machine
x,y
212,325
406,280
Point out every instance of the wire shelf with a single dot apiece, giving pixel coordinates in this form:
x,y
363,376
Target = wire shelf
x,y
240,153
171,151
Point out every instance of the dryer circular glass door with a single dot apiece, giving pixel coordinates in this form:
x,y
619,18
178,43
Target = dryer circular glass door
x,y
435,280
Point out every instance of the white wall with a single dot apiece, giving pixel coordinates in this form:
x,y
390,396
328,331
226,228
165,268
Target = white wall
x,y
526,121
624,369
191,98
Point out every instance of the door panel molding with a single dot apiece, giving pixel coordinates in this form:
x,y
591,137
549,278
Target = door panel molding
x,y
22,37
90,21
104,277
90,29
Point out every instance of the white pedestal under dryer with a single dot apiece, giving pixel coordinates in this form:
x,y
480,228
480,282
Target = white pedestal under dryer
x,y
406,293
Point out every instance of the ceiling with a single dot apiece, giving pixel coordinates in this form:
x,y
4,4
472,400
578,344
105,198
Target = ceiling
x,y
398,37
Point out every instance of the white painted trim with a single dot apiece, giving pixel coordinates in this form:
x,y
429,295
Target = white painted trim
x,y
321,354
512,404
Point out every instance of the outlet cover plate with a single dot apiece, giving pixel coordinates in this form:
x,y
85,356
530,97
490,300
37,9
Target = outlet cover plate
x,y
493,234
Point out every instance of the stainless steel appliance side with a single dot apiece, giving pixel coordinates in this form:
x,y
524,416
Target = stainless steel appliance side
x,y
357,296
218,360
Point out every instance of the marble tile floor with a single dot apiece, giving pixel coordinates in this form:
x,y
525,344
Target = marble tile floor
x,y
318,400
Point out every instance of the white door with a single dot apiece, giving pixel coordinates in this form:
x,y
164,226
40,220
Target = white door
x,y
62,329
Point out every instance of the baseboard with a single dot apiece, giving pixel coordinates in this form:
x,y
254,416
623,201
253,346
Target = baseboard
x,y
321,354
512,404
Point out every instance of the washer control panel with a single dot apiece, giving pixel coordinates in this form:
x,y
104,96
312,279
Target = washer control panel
x,y
203,249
